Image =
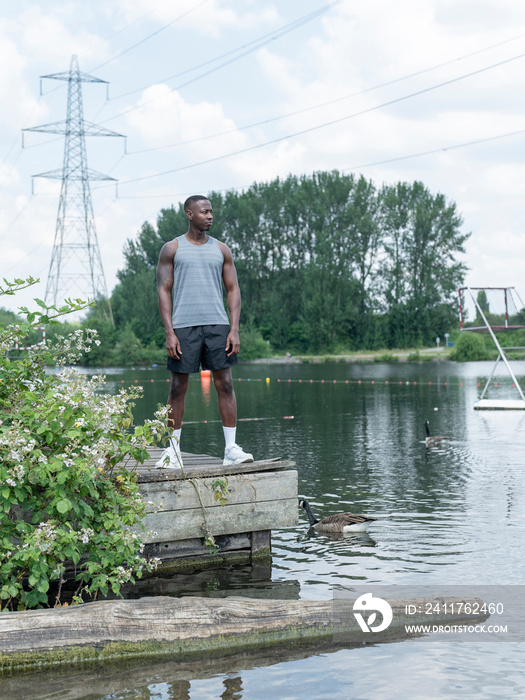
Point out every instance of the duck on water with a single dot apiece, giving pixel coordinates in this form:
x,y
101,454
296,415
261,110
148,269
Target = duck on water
x,y
340,522
433,440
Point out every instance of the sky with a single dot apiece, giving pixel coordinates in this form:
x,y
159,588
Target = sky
x,y
218,94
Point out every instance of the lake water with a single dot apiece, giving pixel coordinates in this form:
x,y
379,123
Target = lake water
x,y
451,515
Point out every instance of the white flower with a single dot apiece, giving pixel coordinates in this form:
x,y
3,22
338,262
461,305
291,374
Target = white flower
x,y
85,535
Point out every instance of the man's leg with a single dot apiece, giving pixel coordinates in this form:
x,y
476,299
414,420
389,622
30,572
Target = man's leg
x,y
233,454
177,399
171,457
222,378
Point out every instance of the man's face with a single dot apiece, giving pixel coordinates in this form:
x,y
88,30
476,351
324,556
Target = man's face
x,y
201,215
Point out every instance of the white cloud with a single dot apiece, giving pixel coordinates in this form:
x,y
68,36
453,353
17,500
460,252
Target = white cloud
x,y
164,117
18,101
47,40
208,17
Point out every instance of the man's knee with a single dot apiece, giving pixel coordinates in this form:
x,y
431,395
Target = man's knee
x,y
178,386
223,381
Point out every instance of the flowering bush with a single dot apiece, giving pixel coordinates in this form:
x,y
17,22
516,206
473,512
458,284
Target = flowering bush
x,y
68,491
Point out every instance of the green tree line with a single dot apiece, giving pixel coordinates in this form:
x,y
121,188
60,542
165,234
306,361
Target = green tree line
x,y
326,262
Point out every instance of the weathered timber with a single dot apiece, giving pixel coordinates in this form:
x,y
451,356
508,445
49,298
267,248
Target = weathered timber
x,y
204,465
182,504
196,547
261,541
255,487
230,519
186,627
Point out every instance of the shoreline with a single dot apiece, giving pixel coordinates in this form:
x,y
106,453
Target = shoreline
x,y
386,356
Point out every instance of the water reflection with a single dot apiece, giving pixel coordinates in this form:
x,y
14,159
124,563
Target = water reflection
x,y
253,581
205,388
355,539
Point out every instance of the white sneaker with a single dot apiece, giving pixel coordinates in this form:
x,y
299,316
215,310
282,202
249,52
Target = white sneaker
x,y
171,457
236,455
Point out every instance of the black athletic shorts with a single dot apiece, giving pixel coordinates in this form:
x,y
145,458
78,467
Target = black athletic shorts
x,y
202,345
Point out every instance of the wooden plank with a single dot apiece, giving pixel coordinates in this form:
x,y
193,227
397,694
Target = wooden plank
x,y
195,547
242,488
192,626
228,519
205,466
261,541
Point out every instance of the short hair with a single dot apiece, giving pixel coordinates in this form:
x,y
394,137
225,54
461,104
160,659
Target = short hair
x,y
193,198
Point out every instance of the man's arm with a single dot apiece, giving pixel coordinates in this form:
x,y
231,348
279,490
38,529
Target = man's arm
x,y
165,287
233,297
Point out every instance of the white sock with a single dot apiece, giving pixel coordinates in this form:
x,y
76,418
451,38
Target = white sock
x,y
176,434
229,436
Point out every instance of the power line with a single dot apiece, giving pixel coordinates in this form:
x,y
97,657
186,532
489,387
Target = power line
x,y
324,124
138,43
324,104
150,36
443,149
253,46
265,38
183,194
116,33
17,216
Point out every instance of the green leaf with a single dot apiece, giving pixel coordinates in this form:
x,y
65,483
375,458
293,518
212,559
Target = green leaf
x,y
64,505
43,586
75,557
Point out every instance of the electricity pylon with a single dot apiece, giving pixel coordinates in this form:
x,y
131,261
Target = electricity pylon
x,y
76,264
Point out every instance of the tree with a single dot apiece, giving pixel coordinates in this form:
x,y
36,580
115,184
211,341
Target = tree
x,y
323,260
470,347
420,270
483,302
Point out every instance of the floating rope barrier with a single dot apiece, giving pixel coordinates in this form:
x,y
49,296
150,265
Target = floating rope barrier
x,y
321,381
244,420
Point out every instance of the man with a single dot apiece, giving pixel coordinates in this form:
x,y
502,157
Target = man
x,y
190,273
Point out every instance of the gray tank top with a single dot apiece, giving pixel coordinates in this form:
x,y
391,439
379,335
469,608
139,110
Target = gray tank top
x,y
197,284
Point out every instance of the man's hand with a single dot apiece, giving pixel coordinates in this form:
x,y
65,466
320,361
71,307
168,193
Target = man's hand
x,y
173,346
232,343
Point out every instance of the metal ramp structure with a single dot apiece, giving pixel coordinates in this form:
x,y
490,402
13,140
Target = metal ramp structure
x,y
509,315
